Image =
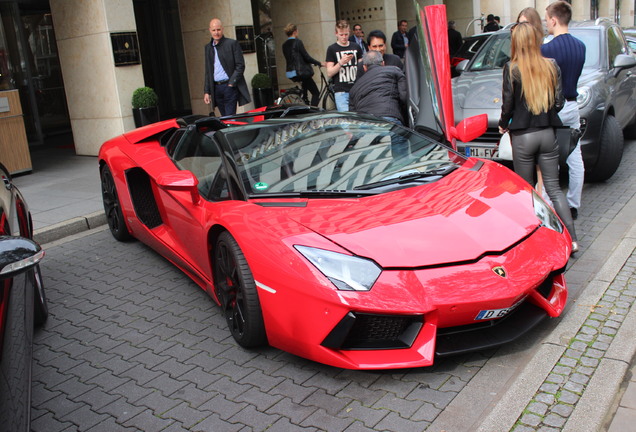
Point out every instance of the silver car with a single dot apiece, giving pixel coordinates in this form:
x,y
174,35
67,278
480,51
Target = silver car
x,y
607,94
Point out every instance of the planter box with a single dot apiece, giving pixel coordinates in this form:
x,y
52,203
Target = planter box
x,y
145,116
263,97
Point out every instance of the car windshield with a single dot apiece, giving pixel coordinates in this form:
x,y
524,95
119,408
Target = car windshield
x,y
333,154
496,51
592,40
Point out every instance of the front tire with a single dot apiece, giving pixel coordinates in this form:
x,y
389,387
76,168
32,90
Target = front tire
x,y
610,151
236,290
112,208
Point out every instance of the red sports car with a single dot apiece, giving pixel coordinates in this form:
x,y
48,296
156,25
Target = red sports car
x,y
344,238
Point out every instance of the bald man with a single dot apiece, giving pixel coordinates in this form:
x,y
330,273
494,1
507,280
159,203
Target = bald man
x,y
224,67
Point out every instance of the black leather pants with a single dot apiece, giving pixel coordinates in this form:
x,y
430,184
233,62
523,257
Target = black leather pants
x,y
540,147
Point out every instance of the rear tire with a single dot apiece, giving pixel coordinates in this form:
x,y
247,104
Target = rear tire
x,y
112,208
610,152
236,290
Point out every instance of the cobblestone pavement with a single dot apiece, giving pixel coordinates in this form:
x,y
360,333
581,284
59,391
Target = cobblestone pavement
x,y
562,389
133,344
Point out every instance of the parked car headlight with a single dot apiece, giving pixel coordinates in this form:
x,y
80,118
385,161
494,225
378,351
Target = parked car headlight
x,y
346,272
584,97
545,214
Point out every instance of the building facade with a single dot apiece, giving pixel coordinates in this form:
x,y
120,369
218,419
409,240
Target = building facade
x,y
75,62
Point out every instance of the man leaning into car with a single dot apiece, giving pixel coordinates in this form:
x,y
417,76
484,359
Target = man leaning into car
x,y
224,67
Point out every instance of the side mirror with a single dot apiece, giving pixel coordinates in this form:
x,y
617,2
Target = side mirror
x,y
623,61
17,255
182,180
470,128
461,66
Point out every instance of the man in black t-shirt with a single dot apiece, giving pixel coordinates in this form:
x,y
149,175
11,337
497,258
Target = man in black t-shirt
x,y
342,59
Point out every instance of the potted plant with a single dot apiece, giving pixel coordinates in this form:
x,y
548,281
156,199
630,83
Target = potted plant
x,y
262,90
144,105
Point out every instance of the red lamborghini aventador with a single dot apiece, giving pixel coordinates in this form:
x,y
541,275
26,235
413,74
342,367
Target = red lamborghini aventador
x,y
344,238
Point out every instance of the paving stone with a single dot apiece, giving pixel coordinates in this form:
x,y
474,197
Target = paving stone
x,y
320,399
295,412
394,423
290,389
530,420
259,421
157,402
427,412
215,423
537,408
568,397
121,409
563,410
147,421
284,425
225,407
554,420
84,418
545,398
48,423
186,415
356,411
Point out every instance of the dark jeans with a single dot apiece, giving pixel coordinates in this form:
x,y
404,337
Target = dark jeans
x,y
540,147
308,84
225,97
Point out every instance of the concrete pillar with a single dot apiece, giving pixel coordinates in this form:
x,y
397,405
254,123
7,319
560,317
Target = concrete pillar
x,y
195,16
97,92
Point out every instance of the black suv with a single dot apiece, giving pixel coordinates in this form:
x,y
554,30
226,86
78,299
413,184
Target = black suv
x,y
607,94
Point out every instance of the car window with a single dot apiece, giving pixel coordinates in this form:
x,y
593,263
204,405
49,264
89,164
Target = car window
x,y
198,153
328,152
470,46
591,38
494,54
615,44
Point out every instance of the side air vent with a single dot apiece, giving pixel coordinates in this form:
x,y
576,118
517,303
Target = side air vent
x,y
142,197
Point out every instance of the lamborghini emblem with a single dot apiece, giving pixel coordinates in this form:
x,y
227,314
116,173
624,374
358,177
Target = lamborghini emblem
x,y
496,100
499,271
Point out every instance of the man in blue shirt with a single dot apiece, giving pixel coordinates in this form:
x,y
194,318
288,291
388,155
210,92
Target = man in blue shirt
x,y
224,67
358,37
399,40
569,53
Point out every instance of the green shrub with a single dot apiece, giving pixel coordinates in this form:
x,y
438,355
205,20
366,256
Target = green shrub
x,y
261,81
144,97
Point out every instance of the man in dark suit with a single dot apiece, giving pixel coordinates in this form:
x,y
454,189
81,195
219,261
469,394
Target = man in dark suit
x,y
358,37
224,67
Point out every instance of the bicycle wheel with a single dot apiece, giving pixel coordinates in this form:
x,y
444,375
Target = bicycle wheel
x,y
328,101
292,99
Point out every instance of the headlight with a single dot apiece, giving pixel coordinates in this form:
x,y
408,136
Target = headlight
x,y
545,214
346,272
584,97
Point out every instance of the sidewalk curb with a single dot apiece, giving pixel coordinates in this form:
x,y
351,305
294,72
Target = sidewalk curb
x,y
69,227
600,393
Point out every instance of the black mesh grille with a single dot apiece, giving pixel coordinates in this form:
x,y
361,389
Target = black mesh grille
x,y
366,331
142,197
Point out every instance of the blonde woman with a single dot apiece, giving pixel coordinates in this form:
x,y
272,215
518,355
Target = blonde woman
x,y
531,100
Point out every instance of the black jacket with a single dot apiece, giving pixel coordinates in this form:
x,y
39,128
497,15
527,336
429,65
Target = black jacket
x,y
514,106
397,44
303,66
381,91
231,58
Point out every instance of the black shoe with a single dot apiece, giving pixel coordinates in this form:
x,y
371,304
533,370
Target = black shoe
x,y
575,213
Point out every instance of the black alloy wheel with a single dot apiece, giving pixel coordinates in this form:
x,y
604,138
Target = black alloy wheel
x,y
236,290
112,208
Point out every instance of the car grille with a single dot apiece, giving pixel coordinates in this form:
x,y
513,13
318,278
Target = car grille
x,y
142,197
491,135
369,331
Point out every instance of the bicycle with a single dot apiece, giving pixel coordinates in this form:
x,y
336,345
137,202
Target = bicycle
x,y
294,95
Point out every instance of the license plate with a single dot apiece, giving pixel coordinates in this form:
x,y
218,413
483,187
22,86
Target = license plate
x,y
495,313
480,152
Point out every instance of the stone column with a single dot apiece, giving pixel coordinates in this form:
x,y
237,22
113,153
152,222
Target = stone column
x,y
195,16
97,92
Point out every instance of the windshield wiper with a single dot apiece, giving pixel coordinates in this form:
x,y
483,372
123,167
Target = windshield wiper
x,y
408,178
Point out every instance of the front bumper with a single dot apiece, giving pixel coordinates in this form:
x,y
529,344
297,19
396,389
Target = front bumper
x,y
412,315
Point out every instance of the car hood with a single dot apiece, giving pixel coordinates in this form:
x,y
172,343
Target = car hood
x,y
459,218
476,93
